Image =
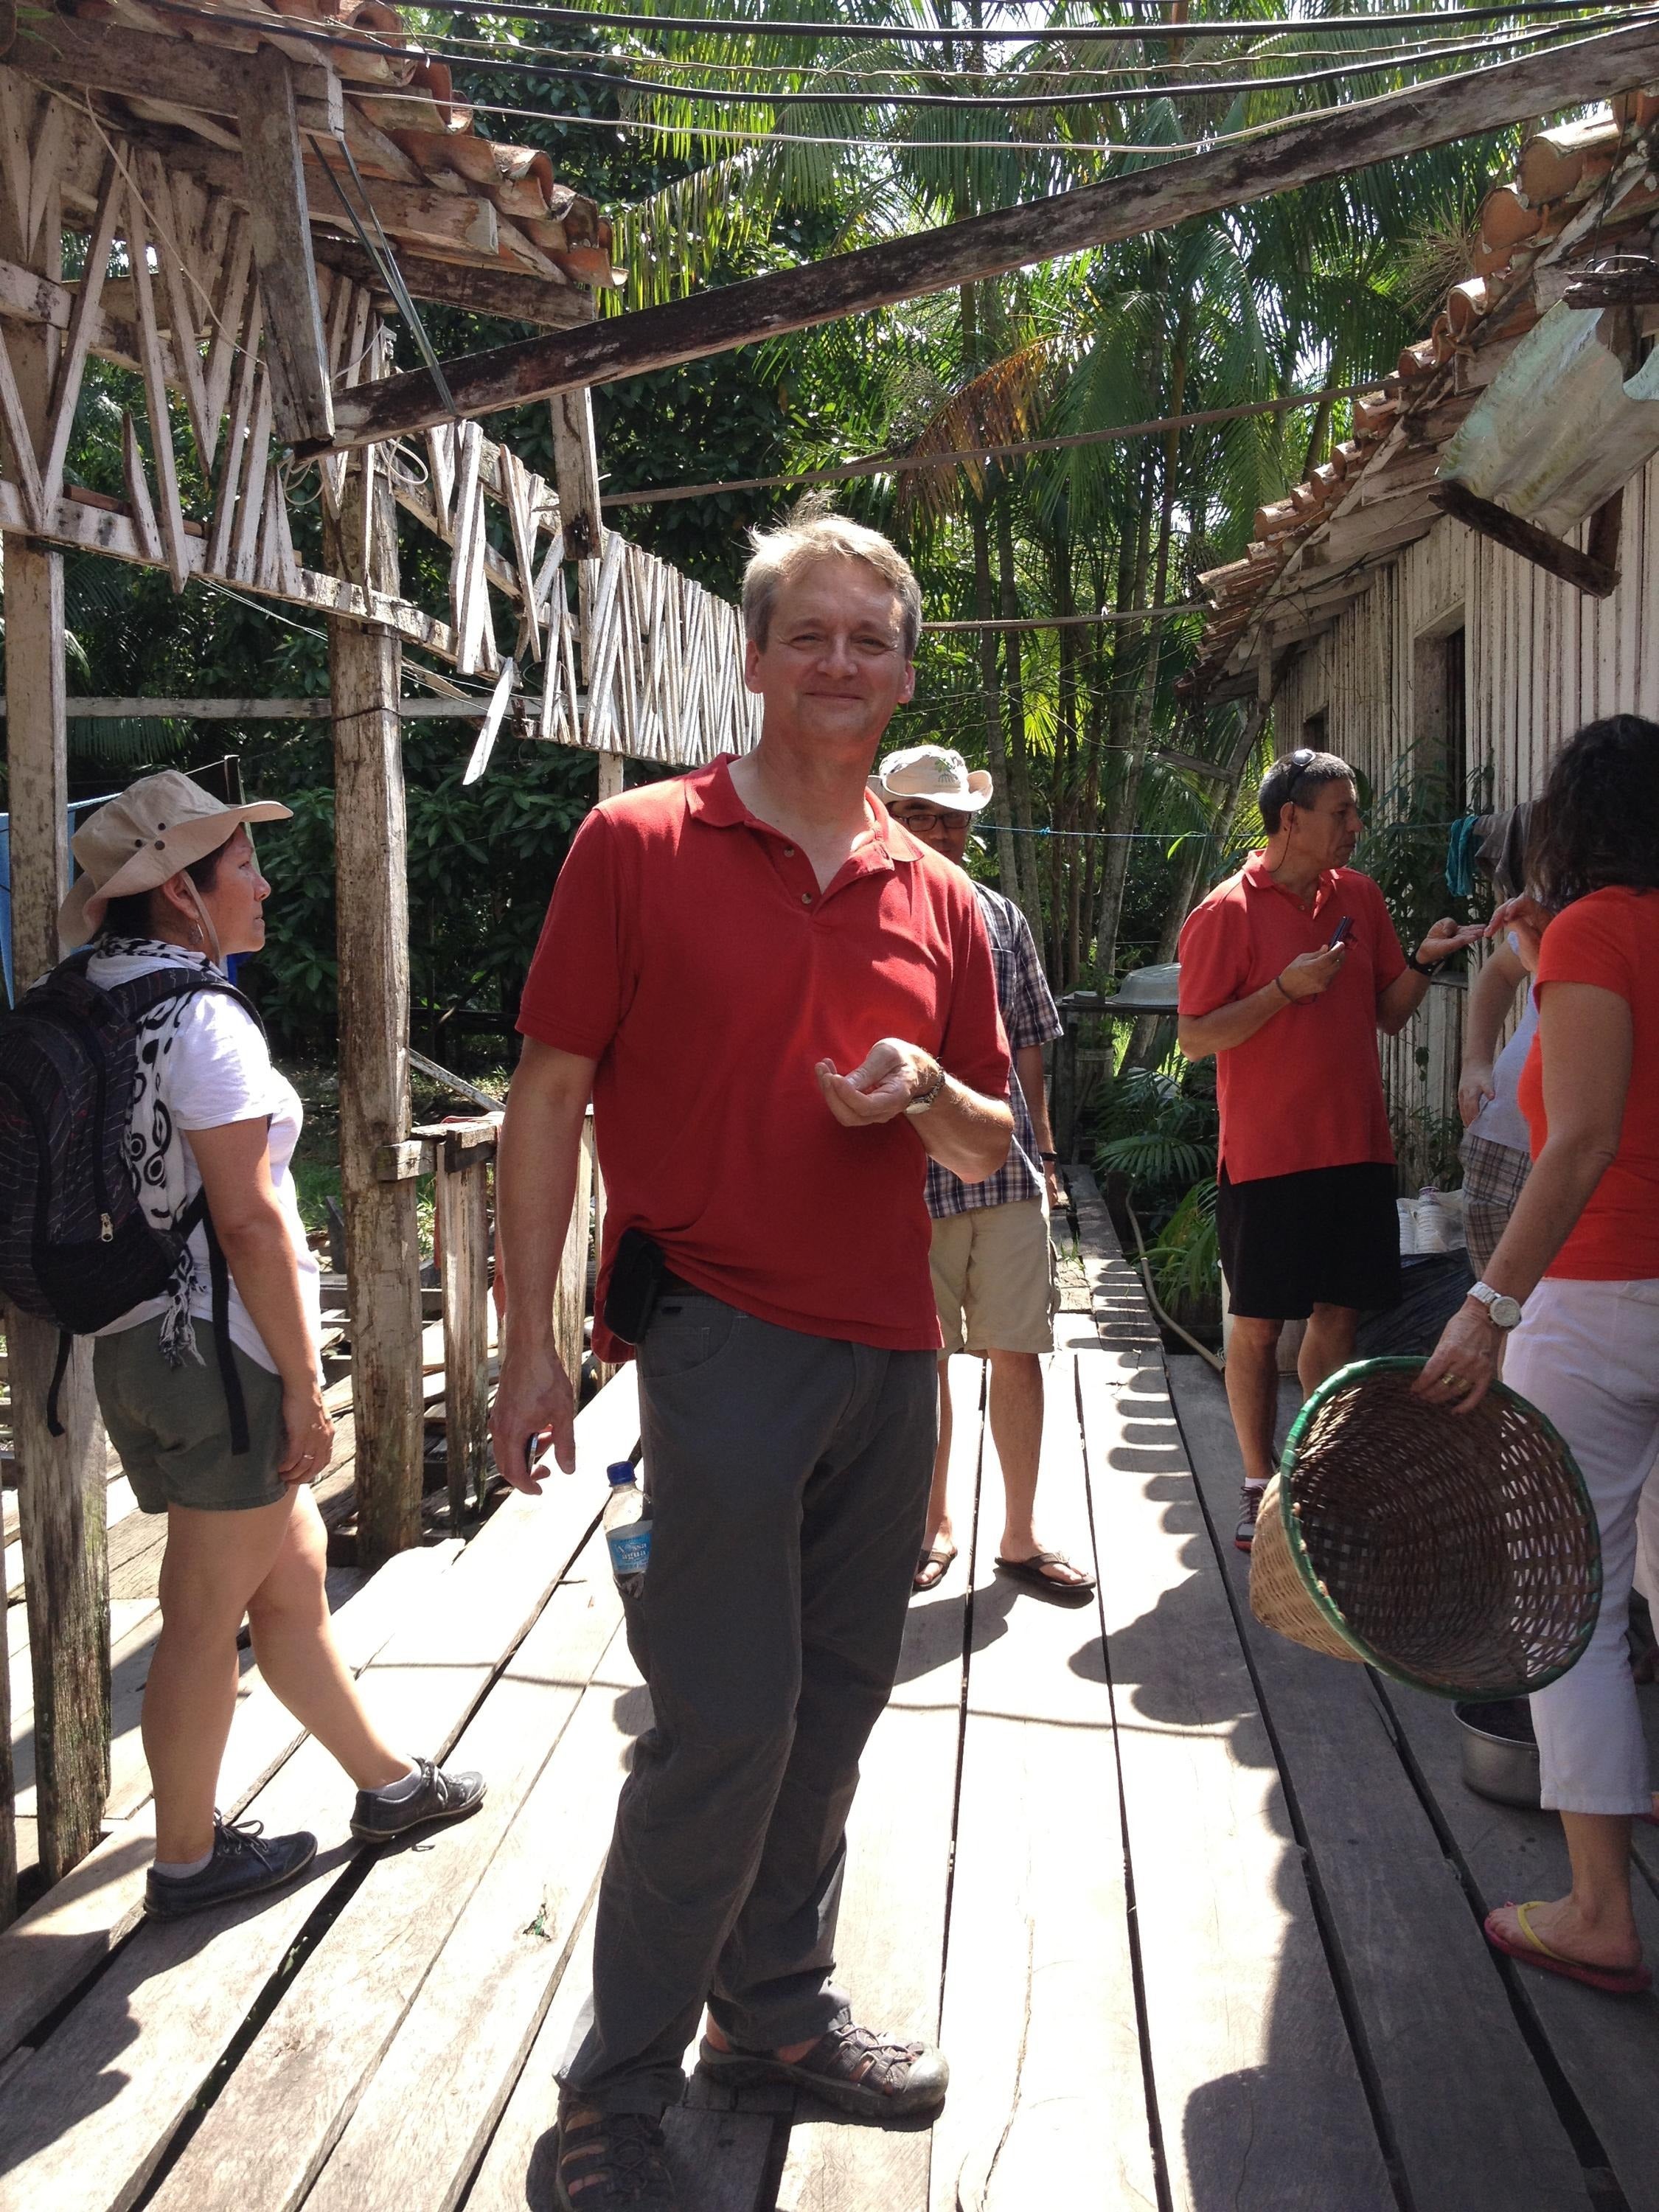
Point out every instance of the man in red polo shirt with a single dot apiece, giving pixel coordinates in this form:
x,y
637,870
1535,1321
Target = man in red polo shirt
x,y
781,1006
1288,969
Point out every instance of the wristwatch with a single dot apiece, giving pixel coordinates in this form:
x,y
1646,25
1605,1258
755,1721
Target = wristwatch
x,y
1419,967
924,1099
1503,1312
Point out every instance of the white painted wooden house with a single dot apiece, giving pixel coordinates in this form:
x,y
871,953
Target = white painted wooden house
x,y
1382,627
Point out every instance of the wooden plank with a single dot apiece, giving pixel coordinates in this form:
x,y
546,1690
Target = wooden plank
x,y
576,473
274,165
1259,2096
82,323
1472,2124
497,290
382,1238
177,1991
20,436
284,2107
1607,2055
155,392
891,1939
185,303
61,1939
61,1486
1039,2018
103,57
1321,145
1595,578
467,2035
462,1196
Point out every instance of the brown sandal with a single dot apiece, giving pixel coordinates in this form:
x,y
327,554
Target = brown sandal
x,y
933,1566
611,2160
858,2069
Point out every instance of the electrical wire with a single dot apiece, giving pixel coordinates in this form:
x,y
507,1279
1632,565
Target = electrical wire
x,y
1003,98
967,34
488,65
894,463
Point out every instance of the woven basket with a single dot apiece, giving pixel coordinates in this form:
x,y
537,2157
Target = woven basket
x,y
1458,1553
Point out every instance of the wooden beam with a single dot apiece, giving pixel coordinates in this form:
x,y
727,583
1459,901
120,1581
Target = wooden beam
x,y
477,291
472,708
1593,578
372,926
274,169
99,57
444,223
61,1478
1636,286
1330,144
104,530
576,474
1602,545
462,1200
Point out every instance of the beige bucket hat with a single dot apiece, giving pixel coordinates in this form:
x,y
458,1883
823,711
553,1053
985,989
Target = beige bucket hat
x,y
158,825
936,774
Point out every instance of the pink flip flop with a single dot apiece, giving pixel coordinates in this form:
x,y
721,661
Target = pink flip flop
x,y
1534,1951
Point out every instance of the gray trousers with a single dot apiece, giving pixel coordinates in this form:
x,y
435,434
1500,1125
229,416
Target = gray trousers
x,y
788,1477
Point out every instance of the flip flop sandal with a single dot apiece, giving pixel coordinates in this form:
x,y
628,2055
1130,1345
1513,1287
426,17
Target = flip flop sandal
x,y
1534,1951
1030,1572
932,1567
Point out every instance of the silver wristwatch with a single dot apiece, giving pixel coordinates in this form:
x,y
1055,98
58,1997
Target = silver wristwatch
x,y
1503,1312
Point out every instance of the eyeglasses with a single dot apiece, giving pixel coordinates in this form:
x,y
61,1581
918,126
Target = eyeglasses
x,y
923,818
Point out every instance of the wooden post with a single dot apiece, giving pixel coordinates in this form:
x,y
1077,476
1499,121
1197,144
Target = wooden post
x,y
372,925
462,1215
576,474
611,766
60,1479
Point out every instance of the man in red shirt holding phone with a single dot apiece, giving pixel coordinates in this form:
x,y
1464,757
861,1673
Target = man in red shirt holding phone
x,y
1288,969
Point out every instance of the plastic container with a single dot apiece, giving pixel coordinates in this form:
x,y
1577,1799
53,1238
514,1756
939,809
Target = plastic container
x,y
627,1529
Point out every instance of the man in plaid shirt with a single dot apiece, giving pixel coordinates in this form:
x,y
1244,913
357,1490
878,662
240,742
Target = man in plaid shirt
x,y
993,1276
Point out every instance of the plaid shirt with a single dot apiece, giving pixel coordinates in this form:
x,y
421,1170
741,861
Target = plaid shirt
x,y
1030,1015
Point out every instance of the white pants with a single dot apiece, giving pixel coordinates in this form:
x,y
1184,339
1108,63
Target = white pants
x,y
1587,1355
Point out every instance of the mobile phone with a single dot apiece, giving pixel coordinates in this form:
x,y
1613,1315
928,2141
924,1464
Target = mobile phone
x,y
1340,931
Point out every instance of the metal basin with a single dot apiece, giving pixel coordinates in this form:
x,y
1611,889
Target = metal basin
x,y
1500,1755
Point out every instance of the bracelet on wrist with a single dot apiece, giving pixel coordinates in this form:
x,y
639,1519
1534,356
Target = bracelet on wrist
x,y
1053,1157
1282,993
1419,967
924,1099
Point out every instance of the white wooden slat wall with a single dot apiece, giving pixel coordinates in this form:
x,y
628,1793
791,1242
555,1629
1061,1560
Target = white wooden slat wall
x,y
1540,659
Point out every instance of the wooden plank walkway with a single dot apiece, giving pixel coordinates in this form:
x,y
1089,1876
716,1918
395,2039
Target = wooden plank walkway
x,y
1195,1913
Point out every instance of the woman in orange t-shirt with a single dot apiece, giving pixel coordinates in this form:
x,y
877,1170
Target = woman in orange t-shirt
x,y
1581,1253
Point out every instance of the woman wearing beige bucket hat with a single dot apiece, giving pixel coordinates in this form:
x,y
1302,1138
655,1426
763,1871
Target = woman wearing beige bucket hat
x,y
169,880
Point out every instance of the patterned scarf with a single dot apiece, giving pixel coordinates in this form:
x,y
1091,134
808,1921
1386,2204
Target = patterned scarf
x,y
155,1150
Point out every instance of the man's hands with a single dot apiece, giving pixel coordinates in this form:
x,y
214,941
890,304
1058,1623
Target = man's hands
x,y
891,1074
532,1398
1311,974
1448,936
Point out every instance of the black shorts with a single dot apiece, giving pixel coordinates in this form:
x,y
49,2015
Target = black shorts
x,y
1324,1236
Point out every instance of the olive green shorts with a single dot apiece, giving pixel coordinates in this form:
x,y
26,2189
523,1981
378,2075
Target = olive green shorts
x,y
172,1427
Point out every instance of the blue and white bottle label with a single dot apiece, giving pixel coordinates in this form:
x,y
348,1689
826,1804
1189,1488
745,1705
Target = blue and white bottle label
x,y
631,1548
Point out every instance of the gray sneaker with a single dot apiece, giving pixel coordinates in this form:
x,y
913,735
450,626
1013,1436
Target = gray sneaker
x,y
246,1861
440,1797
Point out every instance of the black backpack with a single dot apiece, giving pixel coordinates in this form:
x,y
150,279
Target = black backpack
x,y
75,1245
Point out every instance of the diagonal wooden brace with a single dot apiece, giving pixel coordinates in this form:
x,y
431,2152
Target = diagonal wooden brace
x,y
296,352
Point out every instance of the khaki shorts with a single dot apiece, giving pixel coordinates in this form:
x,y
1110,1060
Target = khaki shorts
x,y
995,1266
172,1426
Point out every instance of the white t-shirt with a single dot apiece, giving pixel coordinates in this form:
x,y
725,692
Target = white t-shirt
x,y
211,1066
1500,1120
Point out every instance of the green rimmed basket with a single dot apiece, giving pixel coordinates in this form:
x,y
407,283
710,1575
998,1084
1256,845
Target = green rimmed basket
x,y
1458,1553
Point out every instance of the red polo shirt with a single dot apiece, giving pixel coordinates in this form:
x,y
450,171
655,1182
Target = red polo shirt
x,y
1306,1091
688,950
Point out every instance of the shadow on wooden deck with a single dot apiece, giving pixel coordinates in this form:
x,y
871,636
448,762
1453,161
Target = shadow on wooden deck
x,y
1195,1913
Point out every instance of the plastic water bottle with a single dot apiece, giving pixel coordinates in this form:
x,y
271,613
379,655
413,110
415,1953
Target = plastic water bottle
x,y
627,1529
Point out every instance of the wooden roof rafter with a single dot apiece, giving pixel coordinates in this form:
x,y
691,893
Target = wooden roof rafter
x,y
187,310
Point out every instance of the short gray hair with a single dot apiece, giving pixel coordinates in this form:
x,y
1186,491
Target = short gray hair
x,y
1294,778
814,532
